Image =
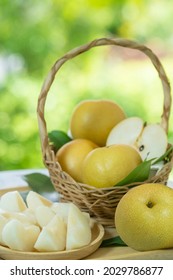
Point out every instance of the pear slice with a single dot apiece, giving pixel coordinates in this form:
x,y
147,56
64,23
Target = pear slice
x,y
52,236
18,236
30,216
12,201
125,132
44,215
90,221
34,200
153,142
78,229
3,221
20,216
61,209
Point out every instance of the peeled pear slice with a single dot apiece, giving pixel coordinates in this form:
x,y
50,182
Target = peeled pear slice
x,y
18,236
30,216
20,216
152,143
34,200
90,221
44,215
52,236
126,131
3,221
12,201
61,209
78,229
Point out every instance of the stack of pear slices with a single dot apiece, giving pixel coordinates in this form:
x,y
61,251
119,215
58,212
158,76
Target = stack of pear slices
x,y
150,140
41,225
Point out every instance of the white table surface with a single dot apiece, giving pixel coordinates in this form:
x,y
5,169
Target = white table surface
x,y
13,178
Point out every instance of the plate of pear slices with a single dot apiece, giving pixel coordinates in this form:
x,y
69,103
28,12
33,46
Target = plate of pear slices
x,y
38,229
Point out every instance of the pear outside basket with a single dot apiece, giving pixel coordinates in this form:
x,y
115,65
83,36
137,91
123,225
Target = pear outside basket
x,y
99,203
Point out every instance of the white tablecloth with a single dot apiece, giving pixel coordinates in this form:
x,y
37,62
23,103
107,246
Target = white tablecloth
x,y
14,178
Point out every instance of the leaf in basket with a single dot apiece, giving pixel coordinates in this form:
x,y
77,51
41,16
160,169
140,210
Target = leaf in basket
x,y
113,241
165,156
139,174
39,182
58,138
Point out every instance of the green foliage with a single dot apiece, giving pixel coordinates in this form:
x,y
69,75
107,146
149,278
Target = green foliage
x,y
39,183
35,33
113,241
139,174
58,138
142,171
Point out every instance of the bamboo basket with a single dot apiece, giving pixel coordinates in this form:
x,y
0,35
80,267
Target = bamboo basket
x,y
99,203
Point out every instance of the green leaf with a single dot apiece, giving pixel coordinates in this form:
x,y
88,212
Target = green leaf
x,y
164,156
142,171
139,174
39,182
113,241
58,138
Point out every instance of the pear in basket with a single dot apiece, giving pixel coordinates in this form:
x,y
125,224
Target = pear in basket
x,y
149,139
72,154
106,166
93,120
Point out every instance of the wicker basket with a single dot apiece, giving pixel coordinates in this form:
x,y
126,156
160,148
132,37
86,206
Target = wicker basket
x,y
100,203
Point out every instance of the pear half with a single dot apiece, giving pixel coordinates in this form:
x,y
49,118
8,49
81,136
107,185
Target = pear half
x,y
150,140
125,132
152,143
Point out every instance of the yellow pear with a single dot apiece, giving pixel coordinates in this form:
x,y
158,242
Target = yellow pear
x,y
106,166
144,215
93,120
72,154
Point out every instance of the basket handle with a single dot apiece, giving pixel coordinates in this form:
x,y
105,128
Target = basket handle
x,y
46,151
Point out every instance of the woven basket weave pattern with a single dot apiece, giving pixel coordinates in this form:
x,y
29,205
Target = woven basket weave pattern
x,y
100,203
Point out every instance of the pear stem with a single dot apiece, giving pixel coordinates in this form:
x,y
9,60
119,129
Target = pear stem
x,y
150,204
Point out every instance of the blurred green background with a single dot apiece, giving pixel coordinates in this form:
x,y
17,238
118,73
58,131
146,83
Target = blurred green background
x,y
35,33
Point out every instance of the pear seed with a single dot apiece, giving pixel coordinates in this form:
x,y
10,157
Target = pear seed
x,y
141,148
